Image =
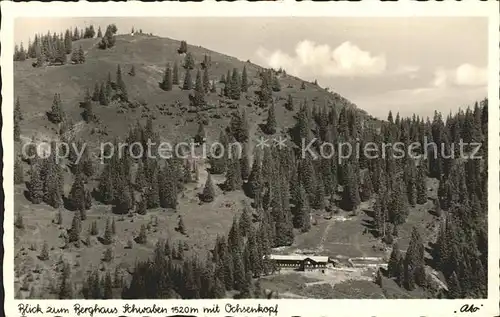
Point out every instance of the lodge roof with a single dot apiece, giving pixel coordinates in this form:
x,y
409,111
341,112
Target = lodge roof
x,y
280,257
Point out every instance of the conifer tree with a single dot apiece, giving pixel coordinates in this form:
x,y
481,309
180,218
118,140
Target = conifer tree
x,y
206,80
421,186
167,79
44,254
142,238
265,94
255,178
401,271
141,207
235,85
303,126
76,34
208,194
393,265
200,136
140,179
303,215
123,201
95,94
206,62
271,120
411,188
181,227
379,210
307,175
68,41
88,112
76,198
187,177
175,74
414,261
75,59
289,103
239,269
93,229
227,84
169,187
81,55
350,194
245,162
218,161
108,40
56,114
40,56
86,165
99,32
106,185
103,98
65,288
18,115
107,255
233,175
245,221
18,172
235,244
219,290
319,198
52,180
17,130
108,234
238,126
132,71
244,80
454,288
189,61
108,291
283,225
397,206
199,93
366,187
188,84
276,86
121,84
153,179
76,228
183,48
109,87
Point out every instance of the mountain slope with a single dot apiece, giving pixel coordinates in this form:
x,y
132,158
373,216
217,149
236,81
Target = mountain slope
x,y
149,55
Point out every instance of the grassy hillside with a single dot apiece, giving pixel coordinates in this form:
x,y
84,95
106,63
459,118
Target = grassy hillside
x,y
149,55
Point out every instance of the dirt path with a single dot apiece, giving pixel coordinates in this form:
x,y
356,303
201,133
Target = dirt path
x,y
321,244
356,245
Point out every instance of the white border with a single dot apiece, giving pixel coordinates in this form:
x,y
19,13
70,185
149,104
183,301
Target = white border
x,y
309,307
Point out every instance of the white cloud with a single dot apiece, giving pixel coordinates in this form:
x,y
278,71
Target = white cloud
x,y
440,77
470,75
409,70
313,59
463,75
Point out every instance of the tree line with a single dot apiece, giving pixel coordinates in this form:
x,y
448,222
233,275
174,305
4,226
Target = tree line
x,y
53,48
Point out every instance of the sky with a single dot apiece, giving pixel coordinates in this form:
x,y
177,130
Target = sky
x,y
406,65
